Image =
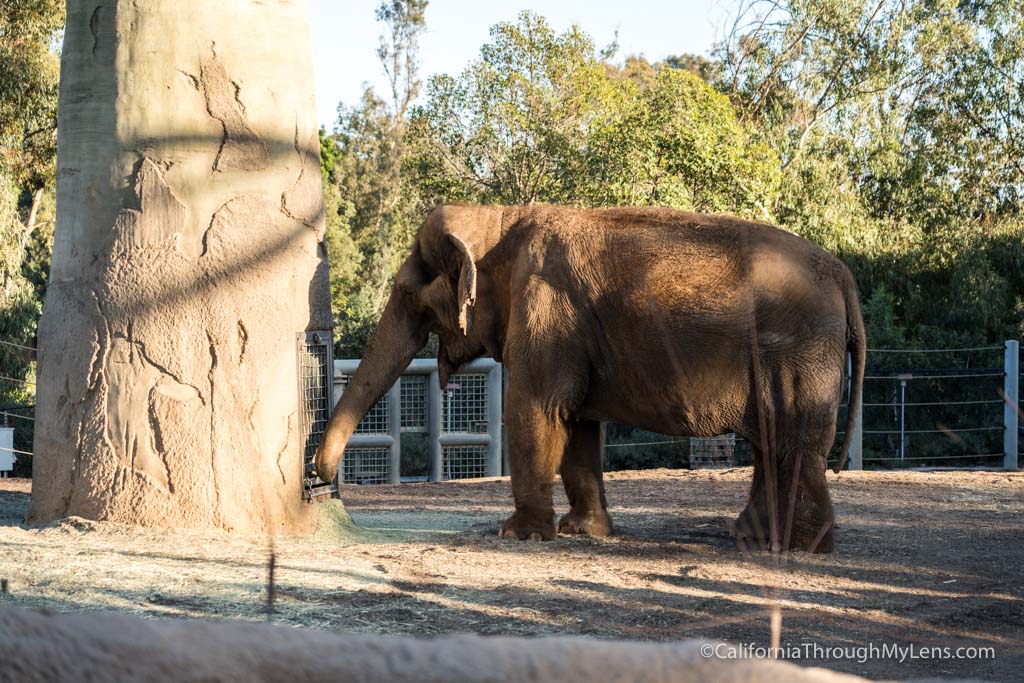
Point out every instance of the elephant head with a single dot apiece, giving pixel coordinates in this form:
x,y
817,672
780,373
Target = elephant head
x,y
439,289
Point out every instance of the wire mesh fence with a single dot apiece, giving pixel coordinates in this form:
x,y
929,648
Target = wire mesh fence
x,y
921,407
464,462
315,378
713,452
449,432
376,419
366,466
464,408
934,406
414,403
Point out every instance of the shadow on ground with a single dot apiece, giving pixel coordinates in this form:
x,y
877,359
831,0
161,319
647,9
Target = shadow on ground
x,y
921,560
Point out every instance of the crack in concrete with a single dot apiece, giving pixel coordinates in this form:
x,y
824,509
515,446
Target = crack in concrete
x,y
213,219
156,432
94,28
240,146
284,448
238,96
163,370
213,430
298,181
192,79
243,340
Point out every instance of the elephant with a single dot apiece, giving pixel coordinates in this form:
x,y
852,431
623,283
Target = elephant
x,y
675,322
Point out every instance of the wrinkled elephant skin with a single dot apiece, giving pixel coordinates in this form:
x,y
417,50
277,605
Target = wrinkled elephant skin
x,y
675,322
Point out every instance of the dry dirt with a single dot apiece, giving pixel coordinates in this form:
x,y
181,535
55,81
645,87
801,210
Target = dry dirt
x,y
923,559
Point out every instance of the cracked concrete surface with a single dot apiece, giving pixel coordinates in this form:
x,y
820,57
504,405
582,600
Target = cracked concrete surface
x,y
167,378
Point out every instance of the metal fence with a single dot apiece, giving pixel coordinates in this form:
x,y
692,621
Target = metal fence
x,y
918,411
962,413
462,422
914,412
315,404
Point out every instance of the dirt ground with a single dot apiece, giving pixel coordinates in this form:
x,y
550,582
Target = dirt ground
x,y
923,559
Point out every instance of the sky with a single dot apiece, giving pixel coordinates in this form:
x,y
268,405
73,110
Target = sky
x,y
345,35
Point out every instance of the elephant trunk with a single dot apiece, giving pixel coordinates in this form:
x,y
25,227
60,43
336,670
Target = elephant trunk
x,y
401,332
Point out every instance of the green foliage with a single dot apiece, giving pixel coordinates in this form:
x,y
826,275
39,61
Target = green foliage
x,y
20,306
372,213
29,70
677,142
513,127
897,123
29,74
539,117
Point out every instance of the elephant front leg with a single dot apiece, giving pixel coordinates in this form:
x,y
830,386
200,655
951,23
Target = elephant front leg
x,y
536,443
582,476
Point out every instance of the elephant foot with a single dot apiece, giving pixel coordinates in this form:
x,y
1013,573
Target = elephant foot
x,y
751,526
595,523
814,536
529,527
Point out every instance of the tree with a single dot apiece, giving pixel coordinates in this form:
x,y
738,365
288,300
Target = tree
x,y
381,211
512,127
28,93
28,119
677,143
187,257
897,123
543,117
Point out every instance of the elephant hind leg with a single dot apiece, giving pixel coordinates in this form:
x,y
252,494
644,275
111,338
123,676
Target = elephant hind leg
x,y
582,476
799,516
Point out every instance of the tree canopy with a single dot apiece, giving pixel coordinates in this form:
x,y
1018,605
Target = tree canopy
x,y
29,76
887,131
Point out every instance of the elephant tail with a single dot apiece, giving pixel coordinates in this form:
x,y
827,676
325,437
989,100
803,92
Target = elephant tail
x,y
856,344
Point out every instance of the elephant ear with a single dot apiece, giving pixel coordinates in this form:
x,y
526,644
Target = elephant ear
x,y
467,283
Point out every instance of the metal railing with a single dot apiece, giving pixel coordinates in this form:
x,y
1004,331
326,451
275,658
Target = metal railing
x,y
462,422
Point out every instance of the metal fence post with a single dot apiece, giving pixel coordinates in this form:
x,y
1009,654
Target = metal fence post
x,y
504,436
856,458
494,395
1011,361
395,431
434,427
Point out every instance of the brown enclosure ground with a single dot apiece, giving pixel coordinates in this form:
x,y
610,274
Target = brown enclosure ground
x,y
923,558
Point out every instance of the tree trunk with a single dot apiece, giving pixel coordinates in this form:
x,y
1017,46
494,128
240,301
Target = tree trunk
x,y
187,257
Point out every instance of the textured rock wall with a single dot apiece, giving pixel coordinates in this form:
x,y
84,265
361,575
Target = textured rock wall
x,y
188,255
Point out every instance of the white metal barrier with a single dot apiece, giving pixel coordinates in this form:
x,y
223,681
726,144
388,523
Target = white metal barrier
x,y
462,422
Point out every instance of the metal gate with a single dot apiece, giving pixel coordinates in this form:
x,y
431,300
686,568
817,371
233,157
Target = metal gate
x,y
462,422
316,393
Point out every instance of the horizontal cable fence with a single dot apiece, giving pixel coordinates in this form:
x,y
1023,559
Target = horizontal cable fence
x,y
914,412
956,407
11,344
17,422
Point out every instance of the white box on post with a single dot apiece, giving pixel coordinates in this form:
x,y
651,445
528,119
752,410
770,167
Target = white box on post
x,y
6,451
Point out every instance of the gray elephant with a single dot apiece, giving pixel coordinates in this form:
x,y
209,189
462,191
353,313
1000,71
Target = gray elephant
x,y
679,323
